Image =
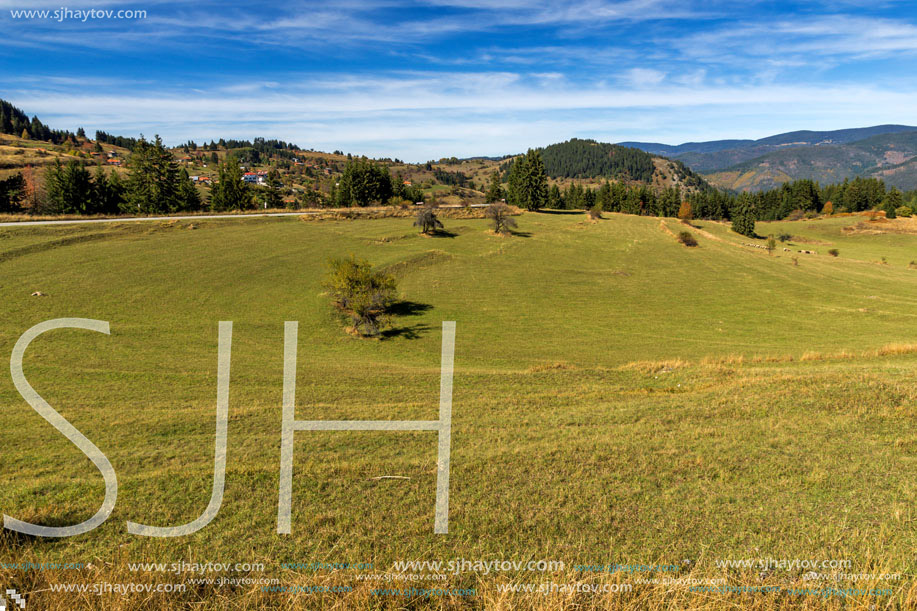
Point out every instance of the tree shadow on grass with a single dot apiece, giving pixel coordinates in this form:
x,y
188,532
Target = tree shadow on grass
x,y
443,233
406,332
521,234
407,308
558,211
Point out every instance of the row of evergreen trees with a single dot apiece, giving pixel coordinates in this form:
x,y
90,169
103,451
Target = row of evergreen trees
x,y
154,185
122,141
15,122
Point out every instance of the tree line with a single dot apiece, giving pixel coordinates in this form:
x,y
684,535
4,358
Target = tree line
x,y
15,122
527,187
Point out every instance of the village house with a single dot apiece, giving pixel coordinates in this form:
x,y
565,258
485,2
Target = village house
x,y
257,178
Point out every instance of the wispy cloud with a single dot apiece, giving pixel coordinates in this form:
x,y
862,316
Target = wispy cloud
x,y
419,116
424,78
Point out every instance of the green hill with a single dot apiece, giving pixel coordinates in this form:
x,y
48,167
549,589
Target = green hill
x,y
618,398
588,159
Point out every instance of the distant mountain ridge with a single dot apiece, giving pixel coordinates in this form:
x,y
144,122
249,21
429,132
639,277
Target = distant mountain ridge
x,y
797,138
888,152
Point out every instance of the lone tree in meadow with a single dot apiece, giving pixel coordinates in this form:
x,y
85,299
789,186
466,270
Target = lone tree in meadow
x,y
500,215
361,294
427,221
684,211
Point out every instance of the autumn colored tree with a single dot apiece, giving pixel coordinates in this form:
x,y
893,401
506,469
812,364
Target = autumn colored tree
x,y
684,211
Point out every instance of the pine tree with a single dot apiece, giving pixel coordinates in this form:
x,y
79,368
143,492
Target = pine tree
x,y
152,184
495,191
230,192
743,216
70,189
109,192
188,197
528,183
892,201
273,197
555,199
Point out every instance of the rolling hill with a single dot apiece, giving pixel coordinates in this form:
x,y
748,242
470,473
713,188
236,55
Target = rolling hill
x,y
590,160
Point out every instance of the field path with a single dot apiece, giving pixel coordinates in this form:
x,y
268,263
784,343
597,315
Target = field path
x,y
189,217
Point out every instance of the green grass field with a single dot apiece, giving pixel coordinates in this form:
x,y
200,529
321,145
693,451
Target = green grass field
x,y
619,398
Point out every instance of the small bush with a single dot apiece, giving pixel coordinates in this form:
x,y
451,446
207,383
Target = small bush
x,y
904,212
427,221
361,294
595,213
687,239
499,213
834,252
784,237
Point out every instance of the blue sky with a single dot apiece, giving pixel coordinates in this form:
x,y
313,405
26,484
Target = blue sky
x,y
421,80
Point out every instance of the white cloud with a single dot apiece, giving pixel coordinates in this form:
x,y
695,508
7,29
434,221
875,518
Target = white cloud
x,y
643,77
417,117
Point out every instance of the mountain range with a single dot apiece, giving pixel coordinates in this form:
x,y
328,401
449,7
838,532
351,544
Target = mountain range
x,y
888,152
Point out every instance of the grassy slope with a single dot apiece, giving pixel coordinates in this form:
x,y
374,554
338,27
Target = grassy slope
x,y
559,452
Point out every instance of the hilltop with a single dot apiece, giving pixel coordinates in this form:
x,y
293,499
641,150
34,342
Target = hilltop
x,y
589,160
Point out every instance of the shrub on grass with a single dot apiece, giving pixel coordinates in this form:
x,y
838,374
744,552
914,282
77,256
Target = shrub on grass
x,y
499,214
359,293
834,252
784,237
903,211
427,221
595,213
687,239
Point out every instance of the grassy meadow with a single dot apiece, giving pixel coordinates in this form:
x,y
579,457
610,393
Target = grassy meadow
x,y
618,399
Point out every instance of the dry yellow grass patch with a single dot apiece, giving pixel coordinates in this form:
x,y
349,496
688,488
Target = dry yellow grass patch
x,y
654,366
893,349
